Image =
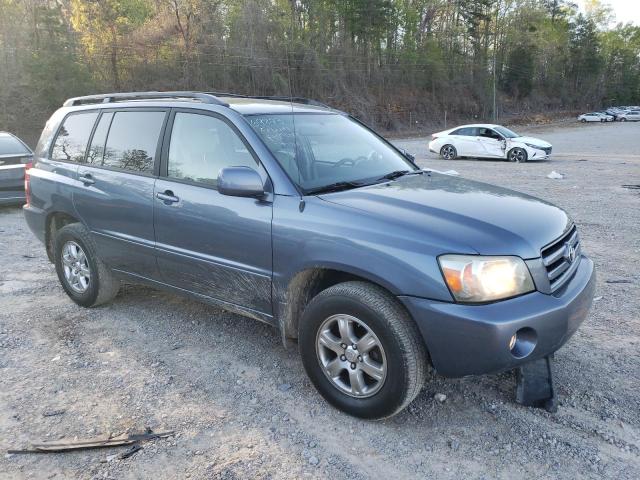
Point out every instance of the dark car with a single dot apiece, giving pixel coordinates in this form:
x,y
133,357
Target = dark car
x,y
14,155
299,216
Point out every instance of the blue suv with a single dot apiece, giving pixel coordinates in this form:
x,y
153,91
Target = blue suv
x,y
298,215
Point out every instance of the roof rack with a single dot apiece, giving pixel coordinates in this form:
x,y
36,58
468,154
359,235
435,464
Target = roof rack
x,y
120,97
284,98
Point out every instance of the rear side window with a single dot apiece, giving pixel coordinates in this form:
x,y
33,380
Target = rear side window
x,y
467,132
10,145
73,136
201,145
132,141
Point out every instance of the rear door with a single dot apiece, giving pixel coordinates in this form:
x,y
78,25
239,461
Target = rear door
x,y
465,142
115,193
208,243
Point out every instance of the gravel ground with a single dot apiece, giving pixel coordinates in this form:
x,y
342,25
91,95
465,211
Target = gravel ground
x,y
242,407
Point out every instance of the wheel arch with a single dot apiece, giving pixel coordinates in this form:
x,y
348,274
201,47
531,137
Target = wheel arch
x,y
54,222
295,294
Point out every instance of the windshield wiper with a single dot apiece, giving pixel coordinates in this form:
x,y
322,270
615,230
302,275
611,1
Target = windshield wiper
x,y
335,187
399,173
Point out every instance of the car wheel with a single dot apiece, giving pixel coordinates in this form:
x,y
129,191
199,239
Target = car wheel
x,y
448,152
84,277
584,120
623,119
517,155
362,351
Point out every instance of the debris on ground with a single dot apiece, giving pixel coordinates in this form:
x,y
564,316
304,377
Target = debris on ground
x,y
555,175
440,397
130,439
53,413
631,187
618,280
451,172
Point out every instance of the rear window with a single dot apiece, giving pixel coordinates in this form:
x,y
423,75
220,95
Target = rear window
x,y
132,141
73,136
9,145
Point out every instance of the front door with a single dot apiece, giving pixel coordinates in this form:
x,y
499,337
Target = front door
x,y
208,243
115,193
491,143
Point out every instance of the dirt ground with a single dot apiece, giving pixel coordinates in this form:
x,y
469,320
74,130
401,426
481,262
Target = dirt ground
x,y
240,403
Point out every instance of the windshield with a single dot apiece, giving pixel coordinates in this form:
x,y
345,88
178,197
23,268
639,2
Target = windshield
x,y
505,132
327,149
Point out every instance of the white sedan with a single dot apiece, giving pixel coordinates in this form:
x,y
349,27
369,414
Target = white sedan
x,y
488,141
595,117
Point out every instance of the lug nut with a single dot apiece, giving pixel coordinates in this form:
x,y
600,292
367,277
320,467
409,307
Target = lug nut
x,y
353,366
343,345
354,346
359,358
343,358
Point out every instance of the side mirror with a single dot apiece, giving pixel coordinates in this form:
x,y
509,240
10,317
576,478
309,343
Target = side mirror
x,y
240,182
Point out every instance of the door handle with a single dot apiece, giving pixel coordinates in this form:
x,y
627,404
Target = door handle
x,y
87,179
167,197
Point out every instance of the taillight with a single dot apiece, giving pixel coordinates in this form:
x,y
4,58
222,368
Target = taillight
x,y
27,183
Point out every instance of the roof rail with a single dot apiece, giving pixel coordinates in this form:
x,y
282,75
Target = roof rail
x,y
120,97
284,98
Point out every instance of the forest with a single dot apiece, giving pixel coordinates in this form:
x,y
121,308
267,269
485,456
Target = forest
x,y
399,65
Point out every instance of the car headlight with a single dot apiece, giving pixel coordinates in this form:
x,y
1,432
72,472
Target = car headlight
x,y
477,279
534,146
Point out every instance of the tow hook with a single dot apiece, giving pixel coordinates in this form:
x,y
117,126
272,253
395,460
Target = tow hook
x,y
534,385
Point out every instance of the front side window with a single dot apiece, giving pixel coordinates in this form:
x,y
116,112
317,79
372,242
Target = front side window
x,y
488,133
73,136
319,150
132,141
201,145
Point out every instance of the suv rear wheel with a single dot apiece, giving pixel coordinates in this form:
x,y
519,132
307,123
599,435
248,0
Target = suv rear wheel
x,y
84,277
361,350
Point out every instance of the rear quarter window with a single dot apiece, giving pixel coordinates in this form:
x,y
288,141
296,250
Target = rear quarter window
x,y
71,142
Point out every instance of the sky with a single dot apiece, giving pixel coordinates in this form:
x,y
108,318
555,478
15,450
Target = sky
x,y
624,10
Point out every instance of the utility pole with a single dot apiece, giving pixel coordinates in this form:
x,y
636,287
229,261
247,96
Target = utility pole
x,y
495,54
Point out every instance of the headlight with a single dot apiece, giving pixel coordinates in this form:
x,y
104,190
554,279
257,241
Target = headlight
x,y
476,279
534,146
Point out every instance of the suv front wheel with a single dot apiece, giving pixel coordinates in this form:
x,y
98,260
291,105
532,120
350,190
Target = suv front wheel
x,y
361,350
84,277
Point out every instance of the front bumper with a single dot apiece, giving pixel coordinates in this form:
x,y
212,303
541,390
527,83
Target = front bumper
x,y
538,154
474,339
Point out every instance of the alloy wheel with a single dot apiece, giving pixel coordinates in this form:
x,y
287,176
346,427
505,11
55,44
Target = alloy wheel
x,y
517,155
448,152
351,356
76,267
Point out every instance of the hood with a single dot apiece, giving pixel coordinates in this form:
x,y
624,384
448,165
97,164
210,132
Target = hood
x,y
451,211
532,140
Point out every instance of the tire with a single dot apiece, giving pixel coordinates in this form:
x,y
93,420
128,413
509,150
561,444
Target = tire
x,y
399,353
449,152
623,119
583,120
517,155
74,251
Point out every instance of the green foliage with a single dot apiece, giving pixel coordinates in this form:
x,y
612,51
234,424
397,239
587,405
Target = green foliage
x,y
390,62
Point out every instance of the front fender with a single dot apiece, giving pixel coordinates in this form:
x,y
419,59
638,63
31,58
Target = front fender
x,y
319,234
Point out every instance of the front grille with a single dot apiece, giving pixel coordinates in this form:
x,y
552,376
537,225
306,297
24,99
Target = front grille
x,y
557,258
547,150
